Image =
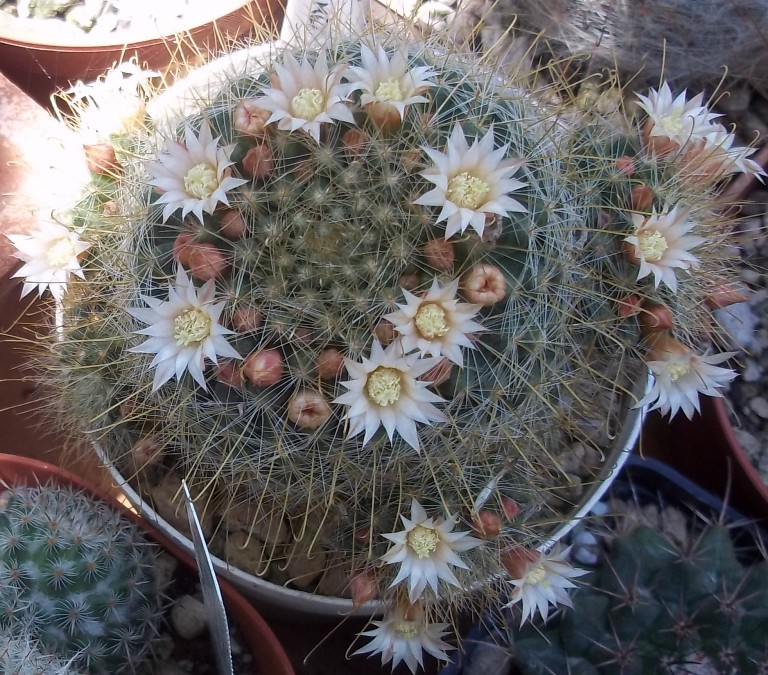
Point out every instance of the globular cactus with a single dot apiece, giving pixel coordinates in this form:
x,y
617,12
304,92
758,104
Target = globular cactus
x,y
659,606
382,234
21,656
77,578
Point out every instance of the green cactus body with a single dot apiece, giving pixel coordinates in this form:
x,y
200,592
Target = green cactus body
x,y
655,606
318,244
77,577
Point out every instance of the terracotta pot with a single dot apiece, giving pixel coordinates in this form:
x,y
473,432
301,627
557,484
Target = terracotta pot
x,y
268,654
706,450
42,59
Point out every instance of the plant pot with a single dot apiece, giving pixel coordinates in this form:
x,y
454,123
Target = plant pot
x,y
706,450
267,651
646,482
43,59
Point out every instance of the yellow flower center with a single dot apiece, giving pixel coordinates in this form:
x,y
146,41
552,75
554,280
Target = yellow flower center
x,y
406,629
423,541
467,191
537,575
191,327
384,386
677,370
61,253
652,245
431,321
307,104
671,124
201,181
390,90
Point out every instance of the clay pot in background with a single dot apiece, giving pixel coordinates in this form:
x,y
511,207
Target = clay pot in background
x,y
43,61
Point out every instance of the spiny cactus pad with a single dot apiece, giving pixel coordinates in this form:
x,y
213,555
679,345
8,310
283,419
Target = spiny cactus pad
x,y
77,577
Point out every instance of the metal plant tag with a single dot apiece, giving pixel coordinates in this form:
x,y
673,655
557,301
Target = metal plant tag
x,y
217,615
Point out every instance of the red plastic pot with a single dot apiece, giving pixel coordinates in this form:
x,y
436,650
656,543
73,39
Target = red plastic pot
x,y
706,450
268,654
42,59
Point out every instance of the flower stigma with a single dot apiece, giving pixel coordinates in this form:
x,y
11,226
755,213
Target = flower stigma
x,y
384,386
201,181
390,89
677,370
307,104
431,321
652,245
467,191
61,253
423,541
191,327
406,629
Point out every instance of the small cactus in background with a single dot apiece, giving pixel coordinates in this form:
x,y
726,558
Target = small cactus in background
x,y
21,656
656,605
385,309
77,578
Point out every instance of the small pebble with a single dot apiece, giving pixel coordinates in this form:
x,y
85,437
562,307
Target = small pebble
x,y
760,406
188,617
586,549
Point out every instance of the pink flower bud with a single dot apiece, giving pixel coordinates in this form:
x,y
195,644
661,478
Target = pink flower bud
x,y
264,368
724,295
308,409
517,560
354,142
363,588
384,332
491,230
487,524
641,197
259,161
484,285
246,319
660,146
146,451
110,208
229,372
232,224
250,119
510,508
656,318
205,261
409,281
629,305
330,364
439,373
439,254
101,159
384,115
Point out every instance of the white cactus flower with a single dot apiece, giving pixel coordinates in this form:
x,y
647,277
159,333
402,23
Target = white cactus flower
x,y
661,244
680,375
541,580
471,181
384,390
426,548
193,176
436,324
404,635
183,331
306,96
50,254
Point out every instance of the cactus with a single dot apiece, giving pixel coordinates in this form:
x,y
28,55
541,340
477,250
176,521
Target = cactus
x,y
76,577
659,606
20,656
680,41
335,241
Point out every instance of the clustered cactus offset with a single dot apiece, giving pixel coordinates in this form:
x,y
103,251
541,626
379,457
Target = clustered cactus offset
x,y
659,606
76,581
382,308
